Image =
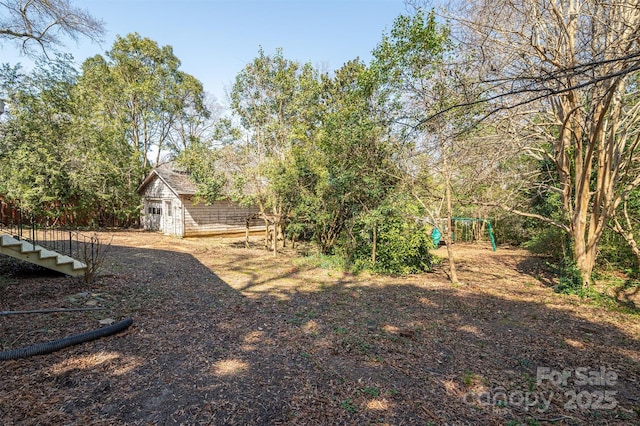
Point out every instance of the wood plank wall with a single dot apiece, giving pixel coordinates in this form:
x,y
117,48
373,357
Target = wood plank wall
x,y
222,217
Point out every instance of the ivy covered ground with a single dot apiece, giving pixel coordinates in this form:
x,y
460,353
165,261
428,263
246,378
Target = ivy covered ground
x,y
228,335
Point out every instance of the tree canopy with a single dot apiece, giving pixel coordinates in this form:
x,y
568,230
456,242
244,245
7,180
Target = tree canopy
x,y
76,144
527,106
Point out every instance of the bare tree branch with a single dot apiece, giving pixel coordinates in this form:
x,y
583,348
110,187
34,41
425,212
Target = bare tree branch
x,y
578,62
46,23
526,214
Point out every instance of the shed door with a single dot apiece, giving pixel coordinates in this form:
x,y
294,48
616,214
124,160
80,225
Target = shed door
x,y
154,216
168,218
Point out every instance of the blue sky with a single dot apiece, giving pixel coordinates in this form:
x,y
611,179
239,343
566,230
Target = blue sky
x,y
215,39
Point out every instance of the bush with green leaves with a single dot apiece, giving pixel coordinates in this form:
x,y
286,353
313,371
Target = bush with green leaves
x,y
569,278
614,252
548,240
403,247
510,229
402,243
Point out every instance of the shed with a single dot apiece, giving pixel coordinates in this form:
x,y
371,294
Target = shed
x,y
169,206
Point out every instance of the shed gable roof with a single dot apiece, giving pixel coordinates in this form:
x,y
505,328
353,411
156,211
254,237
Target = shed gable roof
x,y
178,181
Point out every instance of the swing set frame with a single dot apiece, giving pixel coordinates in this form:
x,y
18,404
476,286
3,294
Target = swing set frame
x,y
436,235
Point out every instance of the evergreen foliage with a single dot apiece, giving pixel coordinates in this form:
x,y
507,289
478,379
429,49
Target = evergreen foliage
x,y
67,147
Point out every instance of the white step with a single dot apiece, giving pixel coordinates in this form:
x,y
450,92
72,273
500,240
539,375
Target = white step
x,y
27,247
23,246
45,254
8,240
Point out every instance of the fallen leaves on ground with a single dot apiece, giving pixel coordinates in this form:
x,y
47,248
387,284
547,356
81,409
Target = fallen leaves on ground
x,y
228,335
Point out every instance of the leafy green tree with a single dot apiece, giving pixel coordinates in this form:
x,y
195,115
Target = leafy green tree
x,y
203,165
273,98
351,154
60,159
77,145
390,238
413,60
34,143
197,125
105,168
140,87
319,152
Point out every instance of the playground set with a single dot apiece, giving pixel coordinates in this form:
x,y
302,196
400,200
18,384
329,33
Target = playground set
x,y
465,229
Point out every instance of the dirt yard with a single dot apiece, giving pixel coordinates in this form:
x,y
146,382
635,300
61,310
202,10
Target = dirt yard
x,y
224,335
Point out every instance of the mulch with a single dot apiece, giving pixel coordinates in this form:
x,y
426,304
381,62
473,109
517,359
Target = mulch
x,y
225,335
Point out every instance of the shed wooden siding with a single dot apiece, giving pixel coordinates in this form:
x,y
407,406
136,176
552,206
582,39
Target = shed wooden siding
x,y
168,207
219,218
159,190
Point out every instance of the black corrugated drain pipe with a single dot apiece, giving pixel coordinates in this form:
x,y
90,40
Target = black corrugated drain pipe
x,y
56,345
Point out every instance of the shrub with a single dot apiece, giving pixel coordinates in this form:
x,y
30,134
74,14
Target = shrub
x,y
549,240
402,244
403,248
614,252
569,277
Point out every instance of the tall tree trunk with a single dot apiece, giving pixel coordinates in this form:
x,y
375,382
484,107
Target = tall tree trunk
x,y
374,244
453,276
276,225
585,259
246,234
282,234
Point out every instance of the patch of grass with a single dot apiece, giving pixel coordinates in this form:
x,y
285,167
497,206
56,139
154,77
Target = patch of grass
x,y
470,378
301,317
349,406
323,261
607,301
524,363
305,314
377,358
569,276
355,344
530,381
371,391
600,295
295,321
